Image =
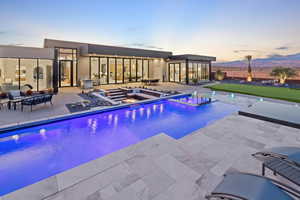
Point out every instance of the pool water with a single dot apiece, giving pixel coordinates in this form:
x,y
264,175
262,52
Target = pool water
x,y
194,100
32,154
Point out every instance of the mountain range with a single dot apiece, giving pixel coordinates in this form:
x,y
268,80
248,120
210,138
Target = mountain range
x,y
274,60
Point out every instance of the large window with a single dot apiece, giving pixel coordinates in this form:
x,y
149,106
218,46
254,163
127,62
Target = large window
x,y
145,69
17,73
95,76
175,72
171,72
103,71
183,72
198,71
133,70
126,70
139,70
112,70
119,70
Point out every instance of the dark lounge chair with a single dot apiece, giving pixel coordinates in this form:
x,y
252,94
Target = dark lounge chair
x,y
244,186
284,161
35,100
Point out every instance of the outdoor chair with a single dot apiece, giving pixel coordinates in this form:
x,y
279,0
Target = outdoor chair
x,y
14,94
284,161
246,186
35,100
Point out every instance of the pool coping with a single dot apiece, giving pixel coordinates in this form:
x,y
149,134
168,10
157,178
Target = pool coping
x,y
15,126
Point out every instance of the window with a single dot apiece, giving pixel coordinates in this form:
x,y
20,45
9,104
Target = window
x,y
112,70
94,73
126,70
139,70
119,70
15,73
183,72
103,71
133,70
145,69
171,72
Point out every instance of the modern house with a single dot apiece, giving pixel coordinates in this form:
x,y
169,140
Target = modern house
x,y
64,64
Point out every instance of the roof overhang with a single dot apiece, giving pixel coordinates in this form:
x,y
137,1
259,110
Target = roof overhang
x,y
92,49
192,57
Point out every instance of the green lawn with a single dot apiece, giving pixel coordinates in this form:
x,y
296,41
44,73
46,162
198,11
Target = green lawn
x,y
270,92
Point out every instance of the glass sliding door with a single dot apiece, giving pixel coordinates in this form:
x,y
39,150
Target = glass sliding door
x,y
112,70
65,73
126,70
103,71
190,72
120,70
177,72
171,73
182,72
200,71
94,70
139,70
145,69
133,70
44,73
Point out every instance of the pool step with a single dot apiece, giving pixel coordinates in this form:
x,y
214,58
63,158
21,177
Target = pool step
x,y
117,96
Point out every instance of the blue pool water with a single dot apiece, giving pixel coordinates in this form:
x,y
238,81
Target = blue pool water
x,y
32,154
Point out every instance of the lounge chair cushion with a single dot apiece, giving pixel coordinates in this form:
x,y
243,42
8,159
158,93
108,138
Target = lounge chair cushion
x,y
250,187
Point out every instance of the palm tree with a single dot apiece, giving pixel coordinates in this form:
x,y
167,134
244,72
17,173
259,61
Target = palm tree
x,y
249,77
283,73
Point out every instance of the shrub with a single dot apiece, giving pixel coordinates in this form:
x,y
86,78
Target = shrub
x,y
219,75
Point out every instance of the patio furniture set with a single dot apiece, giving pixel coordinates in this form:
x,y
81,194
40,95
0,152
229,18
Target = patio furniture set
x,y
283,161
15,98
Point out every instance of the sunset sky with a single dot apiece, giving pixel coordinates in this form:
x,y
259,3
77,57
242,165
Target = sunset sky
x,y
227,29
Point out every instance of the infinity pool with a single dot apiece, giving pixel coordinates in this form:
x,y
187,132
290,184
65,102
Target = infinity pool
x,y
32,154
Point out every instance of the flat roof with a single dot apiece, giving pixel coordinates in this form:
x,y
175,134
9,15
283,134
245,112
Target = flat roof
x,y
192,57
87,49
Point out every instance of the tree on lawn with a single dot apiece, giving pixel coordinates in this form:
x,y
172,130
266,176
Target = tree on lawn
x,y
283,73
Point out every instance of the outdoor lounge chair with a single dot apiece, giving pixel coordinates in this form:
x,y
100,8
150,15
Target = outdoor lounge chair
x,y
284,161
245,186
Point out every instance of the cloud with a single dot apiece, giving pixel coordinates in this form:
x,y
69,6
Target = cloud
x,y
282,48
275,55
2,32
142,45
245,51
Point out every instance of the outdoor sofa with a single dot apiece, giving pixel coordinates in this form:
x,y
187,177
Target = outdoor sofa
x,y
35,100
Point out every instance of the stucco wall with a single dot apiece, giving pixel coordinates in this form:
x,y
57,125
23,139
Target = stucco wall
x,y
26,52
83,68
